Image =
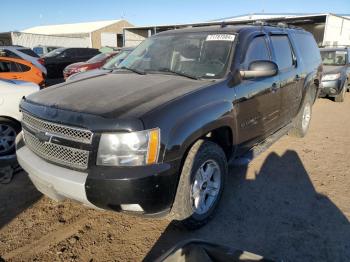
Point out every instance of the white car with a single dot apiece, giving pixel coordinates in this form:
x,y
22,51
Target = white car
x,y
23,53
11,93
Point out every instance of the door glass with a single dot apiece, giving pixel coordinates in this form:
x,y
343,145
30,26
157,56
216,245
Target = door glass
x,y
257,50
283,51
5,67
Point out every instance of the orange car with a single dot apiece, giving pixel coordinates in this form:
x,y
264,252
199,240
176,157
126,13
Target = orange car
x,y
19,69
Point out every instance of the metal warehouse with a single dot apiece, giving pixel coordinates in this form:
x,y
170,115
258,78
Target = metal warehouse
x,y
90,34
328,29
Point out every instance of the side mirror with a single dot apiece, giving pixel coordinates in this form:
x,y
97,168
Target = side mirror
x,y
261,68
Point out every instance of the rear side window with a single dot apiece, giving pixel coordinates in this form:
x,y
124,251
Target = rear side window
x,y
308,49
23,68
29,52
257,50
283,51
11,54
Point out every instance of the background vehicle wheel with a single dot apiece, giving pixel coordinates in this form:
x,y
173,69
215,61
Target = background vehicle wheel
x,y
8,132
201,184
341,96
302,121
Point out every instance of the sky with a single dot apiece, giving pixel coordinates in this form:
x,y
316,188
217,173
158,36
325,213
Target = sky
x,y
25,14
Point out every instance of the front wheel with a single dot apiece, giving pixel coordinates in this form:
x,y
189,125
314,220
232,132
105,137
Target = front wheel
x,y
201,184
302,121
341,97
8,132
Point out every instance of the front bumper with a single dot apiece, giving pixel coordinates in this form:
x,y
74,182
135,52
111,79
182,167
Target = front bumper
x,y
330,88
146,190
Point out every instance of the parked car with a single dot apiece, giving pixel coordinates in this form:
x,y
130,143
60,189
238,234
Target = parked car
x,y
336,67
20,52
19,69
108,67
58,59
42,50
11,93
93,63
155,136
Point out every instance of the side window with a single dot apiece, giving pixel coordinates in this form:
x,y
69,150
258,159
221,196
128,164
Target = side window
x,y
283,51
5,67
257,50
70,53
23,68
14,67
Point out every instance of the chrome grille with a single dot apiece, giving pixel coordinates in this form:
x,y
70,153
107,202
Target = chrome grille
x,y
68,156
70,133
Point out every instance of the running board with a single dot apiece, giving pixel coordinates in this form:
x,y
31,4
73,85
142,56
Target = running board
x,y
260,148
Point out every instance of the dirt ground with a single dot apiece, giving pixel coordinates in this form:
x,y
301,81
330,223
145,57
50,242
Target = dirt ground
x,y
290,203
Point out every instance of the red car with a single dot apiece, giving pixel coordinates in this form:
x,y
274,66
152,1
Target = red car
x,y
93,63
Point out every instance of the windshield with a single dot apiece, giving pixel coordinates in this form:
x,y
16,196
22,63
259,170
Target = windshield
x,y
333,57
115,60
98,58
55,52
200,55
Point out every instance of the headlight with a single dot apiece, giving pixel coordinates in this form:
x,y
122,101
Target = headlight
x,y
129,149
330,77
83,69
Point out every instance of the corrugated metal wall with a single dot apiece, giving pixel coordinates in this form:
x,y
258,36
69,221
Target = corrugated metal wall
x,y
31,40
337,31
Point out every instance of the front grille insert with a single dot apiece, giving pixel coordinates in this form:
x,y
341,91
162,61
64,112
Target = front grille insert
x,y
68,156
67,132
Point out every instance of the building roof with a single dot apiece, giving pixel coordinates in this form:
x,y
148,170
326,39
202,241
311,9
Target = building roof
x,y
76,28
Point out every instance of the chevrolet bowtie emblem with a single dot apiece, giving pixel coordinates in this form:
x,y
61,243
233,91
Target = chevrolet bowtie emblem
x,y
43,137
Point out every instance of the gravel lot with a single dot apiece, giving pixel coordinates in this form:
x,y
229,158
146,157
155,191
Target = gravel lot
x,y
291,202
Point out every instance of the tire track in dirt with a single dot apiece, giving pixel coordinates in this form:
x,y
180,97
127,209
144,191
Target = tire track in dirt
x,y
36,247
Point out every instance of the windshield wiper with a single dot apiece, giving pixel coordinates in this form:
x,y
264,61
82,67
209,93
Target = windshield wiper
x,y
133,70
177,73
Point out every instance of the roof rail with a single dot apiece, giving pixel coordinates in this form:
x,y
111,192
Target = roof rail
x,y
277,24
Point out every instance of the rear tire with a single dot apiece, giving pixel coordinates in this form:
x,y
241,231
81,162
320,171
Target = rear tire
x,y
341,97
8,132
302,121
201,184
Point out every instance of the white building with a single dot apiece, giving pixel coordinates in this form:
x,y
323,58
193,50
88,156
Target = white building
x,y
328,29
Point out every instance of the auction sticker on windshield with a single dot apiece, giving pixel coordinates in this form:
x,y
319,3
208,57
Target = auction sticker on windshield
x,y
221,37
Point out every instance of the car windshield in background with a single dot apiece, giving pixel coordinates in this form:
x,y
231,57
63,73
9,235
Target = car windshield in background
x,y
29,52
55,52
116,60
98,58
197,55
336,58
38,50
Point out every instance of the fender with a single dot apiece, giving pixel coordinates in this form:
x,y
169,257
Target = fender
x,y
312,80
198,123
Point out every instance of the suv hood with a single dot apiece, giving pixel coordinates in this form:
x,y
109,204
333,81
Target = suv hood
x,y
117,95
332,69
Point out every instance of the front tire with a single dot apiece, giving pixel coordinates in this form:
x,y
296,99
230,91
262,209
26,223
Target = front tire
x,y
341,97
201,184
8,132
302,121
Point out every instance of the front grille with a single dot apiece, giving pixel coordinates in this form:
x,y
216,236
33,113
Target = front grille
x,y
67,132
68,156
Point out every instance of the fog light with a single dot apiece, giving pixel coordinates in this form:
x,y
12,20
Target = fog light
x,y
131,207
332,90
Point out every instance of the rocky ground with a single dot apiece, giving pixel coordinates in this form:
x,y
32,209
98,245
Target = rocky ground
x,y
292,203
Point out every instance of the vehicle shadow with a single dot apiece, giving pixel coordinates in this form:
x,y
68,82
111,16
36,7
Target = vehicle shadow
x,y
16,197
276,214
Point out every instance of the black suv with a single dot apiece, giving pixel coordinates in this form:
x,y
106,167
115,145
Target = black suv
x,y
336,68
154,136
56,60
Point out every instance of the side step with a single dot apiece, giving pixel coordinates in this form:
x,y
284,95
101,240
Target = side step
x,y
260,148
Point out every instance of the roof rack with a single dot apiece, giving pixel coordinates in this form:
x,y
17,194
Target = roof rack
x,y
335,46
277,24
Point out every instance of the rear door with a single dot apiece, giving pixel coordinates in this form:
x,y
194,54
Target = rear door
x,y
290,77
258,99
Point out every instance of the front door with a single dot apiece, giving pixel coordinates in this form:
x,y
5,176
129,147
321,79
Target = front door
x,y
258,100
